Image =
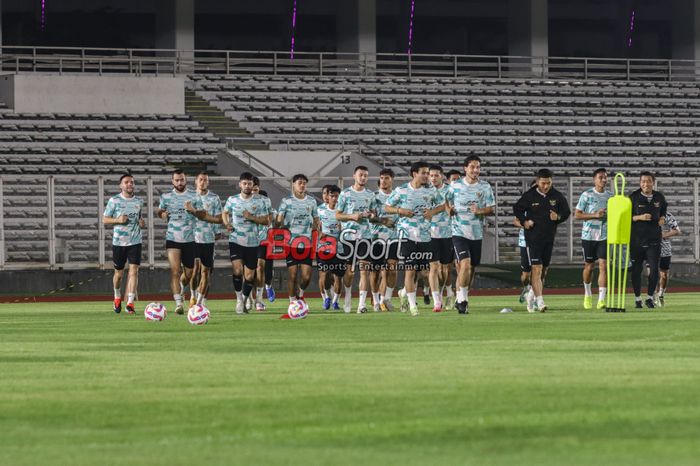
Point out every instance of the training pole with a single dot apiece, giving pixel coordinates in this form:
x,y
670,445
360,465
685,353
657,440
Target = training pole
x,y
619,218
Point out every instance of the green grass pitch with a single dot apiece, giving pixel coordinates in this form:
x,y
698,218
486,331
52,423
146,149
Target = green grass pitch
x,y
81,385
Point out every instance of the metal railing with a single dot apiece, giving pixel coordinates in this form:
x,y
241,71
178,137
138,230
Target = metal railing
x,y
21,59
52,224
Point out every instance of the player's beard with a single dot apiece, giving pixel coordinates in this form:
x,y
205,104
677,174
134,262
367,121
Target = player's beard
x,y
180,190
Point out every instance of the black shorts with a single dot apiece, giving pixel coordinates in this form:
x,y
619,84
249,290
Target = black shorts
x,y
303,257
249,255
360,250
594,250
540,253
524,260
416,255
335,266
665,263
205,253
443,250
186,252
262,250
467,249
381,256
120,254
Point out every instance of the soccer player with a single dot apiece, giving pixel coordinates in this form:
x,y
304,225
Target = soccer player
x,y
330,271
263,275
540,210
124,212
298,213
470,200
384,232
415,203
181,208
355,209
592,209
441,242
648,212
669,229
205,234
242,214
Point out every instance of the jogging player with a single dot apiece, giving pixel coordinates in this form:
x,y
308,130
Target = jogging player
x,y
592,209
298,213
441,241
124,212
355,209
648,212
540,210
330,270
415,203
181,208
669,229
242,214
470,199
383,281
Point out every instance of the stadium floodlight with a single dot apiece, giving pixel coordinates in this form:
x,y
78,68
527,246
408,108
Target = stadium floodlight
x,y
619,218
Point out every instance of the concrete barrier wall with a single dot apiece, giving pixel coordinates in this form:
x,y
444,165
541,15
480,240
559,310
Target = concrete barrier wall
x,y
42,93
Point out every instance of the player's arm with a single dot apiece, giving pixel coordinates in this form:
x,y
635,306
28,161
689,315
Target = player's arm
x,y
343,217
429,213
565,211
226,220
401,212
517,223
580,215
257,219
121,220
488,210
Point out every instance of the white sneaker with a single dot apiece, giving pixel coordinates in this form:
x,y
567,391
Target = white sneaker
x,y
542,307
259,306
249,304
361,310
449,303
376,308
530,301
403,299
414,311
240,308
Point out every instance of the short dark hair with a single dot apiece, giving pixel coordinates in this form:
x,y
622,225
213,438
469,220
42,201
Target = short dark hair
x,y
388,172
472,158
299,176
543,173
202,173
416,166
333,189
178,171
246,176
435,167
647,173
256,181
262,192
326,187
125,175
454,172
599,170
360,167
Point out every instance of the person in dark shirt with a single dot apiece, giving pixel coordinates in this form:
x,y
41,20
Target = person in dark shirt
x,y
540,210
648,212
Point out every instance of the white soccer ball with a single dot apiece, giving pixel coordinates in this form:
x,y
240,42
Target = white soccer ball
x,y
297,309
506,310
155,312
198,315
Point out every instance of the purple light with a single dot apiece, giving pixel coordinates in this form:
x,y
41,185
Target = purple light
x,y
294,24
410,27
43,15
629,42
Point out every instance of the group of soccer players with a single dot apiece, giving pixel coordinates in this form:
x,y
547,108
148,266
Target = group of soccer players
x,y
424,227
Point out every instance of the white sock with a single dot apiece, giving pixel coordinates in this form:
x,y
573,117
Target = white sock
x,y
178,299
182,289
662,291
601,293
267,287
540,301
650,297
463,294
450,293
587,289
348,295
375,298
387,294
437,298
336,296
130,298
328,293
117,293
411,299
239,296
301,293
258,294
324,295
638,299
426,290
363,298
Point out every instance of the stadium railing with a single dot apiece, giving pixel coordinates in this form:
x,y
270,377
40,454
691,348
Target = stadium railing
x,y
58,226
60,60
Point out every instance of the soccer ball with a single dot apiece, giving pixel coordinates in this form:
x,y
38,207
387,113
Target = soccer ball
x,y
155,312
297,309
198,315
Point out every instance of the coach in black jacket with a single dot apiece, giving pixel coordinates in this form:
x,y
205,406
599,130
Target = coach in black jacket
x,y
540,210
648,212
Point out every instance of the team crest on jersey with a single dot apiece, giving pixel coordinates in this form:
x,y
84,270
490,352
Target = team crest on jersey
x,y
657,204
552,202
